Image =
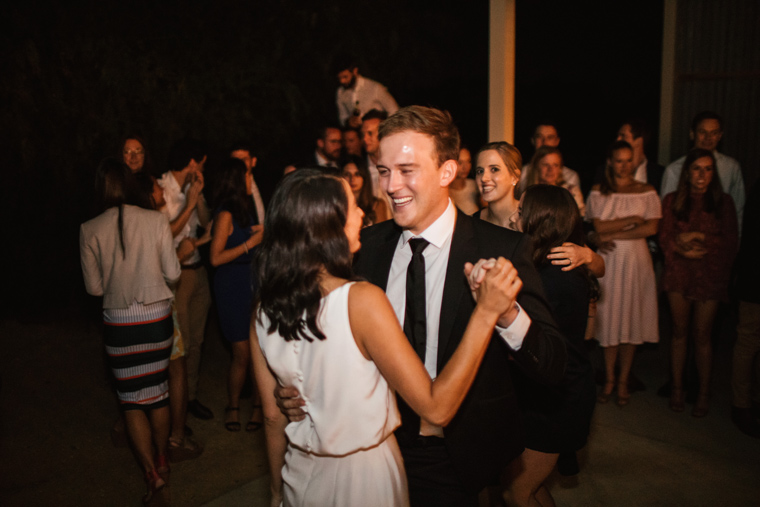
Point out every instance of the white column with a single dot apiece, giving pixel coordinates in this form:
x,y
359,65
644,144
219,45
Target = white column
x,y
501,71
667,82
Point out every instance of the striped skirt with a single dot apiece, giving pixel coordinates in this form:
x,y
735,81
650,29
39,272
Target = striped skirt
x,y
138,343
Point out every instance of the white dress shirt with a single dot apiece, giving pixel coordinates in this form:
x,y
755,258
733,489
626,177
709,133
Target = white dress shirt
x,y
176,201
323,162
436,255
257,201
641,172
365,95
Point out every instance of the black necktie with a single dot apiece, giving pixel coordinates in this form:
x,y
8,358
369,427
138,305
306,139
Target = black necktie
x,y
415,322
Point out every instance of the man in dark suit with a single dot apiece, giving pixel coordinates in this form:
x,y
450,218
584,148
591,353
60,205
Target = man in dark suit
x,y
419,147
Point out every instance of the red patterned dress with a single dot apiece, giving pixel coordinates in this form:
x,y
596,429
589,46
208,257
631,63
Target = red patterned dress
x,y
706,278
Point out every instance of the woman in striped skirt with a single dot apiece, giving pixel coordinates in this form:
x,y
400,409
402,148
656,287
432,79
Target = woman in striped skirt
x,y
128,257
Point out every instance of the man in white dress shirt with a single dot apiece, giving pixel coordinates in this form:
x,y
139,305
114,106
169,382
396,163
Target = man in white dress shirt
x,y
186,210
449,466
706,133
357,94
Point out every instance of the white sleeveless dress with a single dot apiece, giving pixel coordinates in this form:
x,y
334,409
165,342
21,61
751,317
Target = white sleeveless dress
x,y
344,452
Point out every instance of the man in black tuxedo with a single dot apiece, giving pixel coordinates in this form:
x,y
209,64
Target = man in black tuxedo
x,y
448,466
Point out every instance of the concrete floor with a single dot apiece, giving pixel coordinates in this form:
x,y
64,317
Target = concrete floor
x,y
56,410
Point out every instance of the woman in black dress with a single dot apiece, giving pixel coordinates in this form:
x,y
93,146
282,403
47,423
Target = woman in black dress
x,y
557,419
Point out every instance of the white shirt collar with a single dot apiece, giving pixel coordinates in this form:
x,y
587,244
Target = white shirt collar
x,y
322,161
439,231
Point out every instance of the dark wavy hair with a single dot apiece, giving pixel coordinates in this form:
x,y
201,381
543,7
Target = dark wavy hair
x,y
115,186
367,199
304,234
550,217
231,193
713,196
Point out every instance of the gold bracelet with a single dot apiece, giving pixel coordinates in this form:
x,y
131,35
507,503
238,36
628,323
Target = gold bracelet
x,y
246,247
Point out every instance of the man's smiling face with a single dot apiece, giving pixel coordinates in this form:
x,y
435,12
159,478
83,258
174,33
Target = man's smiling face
x,y
410,175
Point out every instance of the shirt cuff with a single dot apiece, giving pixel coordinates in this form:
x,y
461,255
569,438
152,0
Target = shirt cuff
x,y
515,333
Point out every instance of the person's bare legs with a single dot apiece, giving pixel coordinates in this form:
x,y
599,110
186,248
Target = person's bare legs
x,y
241,358
159,425
704,318
610,358
679,309
627,351
257,416
524,479
178,397
138,429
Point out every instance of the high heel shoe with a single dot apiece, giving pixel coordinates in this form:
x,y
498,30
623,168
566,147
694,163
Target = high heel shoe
x,y
623,396
606,393
677,400
157,495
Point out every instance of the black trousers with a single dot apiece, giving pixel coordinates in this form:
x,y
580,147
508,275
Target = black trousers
x,y
433,481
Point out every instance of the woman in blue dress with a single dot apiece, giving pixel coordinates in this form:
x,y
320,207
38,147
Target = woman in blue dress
x,y
235,235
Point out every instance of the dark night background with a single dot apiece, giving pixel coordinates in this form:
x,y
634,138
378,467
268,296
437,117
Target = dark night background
x,y
78,76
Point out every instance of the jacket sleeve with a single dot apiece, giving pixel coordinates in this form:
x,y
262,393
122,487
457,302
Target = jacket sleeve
x,y
543,354
169,262
93,277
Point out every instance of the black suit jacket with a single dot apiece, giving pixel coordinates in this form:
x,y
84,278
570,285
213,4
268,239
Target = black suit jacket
x,y
486,433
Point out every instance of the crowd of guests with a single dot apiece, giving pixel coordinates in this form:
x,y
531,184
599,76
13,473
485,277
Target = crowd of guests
x,y
412,221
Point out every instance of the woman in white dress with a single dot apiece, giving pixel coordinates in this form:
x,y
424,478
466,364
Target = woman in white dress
x,y
339,342
624,212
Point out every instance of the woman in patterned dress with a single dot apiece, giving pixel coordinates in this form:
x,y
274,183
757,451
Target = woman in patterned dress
x,y
699,240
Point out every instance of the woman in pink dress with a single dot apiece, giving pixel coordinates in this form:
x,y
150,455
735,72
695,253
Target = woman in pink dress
x,y
624,212
699,240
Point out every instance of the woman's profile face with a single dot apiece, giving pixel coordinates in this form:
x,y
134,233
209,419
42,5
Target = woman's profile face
x,y
354,220
354,178
701,173
549,169
134,154
494,179
515,220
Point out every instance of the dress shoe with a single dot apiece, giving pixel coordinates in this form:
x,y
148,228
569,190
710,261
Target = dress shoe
x,y
199,410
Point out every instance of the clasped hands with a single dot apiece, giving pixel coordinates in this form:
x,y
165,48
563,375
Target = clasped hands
x,y
691,244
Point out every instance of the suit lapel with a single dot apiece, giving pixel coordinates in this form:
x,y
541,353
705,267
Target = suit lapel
x,y
463,249
382,258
